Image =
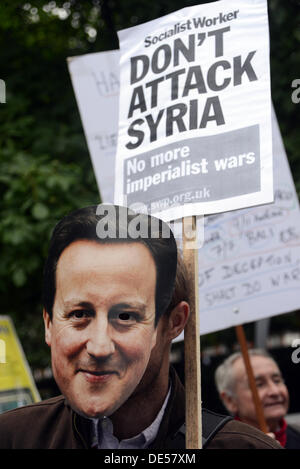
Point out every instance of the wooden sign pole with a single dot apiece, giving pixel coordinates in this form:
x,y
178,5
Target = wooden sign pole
x,y
192,340
257,403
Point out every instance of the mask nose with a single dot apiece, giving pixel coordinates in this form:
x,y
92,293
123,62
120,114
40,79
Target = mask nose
x,y
100,343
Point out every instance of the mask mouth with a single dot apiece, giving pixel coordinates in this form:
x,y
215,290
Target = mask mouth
x,y
97,372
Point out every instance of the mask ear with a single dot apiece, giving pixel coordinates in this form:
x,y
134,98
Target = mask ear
x,y
178,319
153,342
48,327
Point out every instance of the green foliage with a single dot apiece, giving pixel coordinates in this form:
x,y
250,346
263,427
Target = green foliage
x,y
45,168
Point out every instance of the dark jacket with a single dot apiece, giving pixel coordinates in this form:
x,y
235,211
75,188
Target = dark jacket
x,y
52,424
292,437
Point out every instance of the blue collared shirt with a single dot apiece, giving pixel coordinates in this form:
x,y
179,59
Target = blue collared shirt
x,y
103,437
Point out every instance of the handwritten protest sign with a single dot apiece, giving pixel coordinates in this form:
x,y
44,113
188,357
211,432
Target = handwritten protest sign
x,y
95,79
192,140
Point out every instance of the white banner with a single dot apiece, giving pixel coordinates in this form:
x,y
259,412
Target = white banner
x,y
95,79
195,111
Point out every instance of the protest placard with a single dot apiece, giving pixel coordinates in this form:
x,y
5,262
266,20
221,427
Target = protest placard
x,y
192,139
95,79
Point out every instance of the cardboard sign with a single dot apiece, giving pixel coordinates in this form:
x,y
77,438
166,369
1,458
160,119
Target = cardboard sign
x,y
195,111
17,387
95,79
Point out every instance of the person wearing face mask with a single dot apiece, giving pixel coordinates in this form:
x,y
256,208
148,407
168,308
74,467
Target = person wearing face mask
x,y
115,296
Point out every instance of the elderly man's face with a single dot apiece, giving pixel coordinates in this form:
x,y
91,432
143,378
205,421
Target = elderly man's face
x,y
272,391
102,331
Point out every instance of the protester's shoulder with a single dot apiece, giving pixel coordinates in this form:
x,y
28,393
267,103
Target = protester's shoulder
x,y
294,428
35,426
293,436
238,435
32,411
